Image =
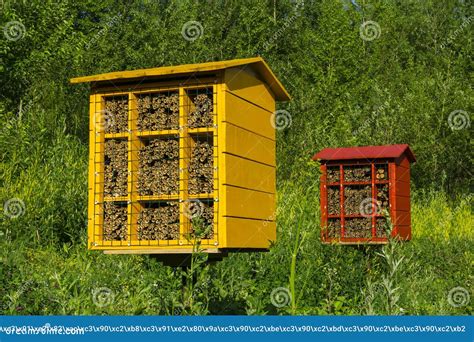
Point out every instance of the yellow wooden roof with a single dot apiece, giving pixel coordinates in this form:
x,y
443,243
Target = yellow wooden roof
x,y
257,63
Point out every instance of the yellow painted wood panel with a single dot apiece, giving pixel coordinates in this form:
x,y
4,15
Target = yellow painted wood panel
x,y
242,83
249,203
245,233
246,115
248,174
249,145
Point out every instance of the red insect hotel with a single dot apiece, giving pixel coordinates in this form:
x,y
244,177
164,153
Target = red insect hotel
x,y
359,186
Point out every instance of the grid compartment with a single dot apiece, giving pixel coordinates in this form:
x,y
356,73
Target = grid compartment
x,y
334,228
334,200
333,174
203,219
116,114
158,221
201,165
158,111
158,172
357,173
115,221
115,168
201,108
358,227
354,196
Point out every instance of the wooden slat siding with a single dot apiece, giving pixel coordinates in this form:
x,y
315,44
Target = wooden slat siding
x,y
248,174
404,232
245,233
249,145
403,189
244,114
242,83
402,204
91,178
402,218
249,204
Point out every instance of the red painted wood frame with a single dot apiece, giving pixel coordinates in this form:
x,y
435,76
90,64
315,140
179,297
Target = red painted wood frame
x,y
399,199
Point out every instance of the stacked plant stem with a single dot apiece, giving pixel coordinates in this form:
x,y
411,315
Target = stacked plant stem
x,y
382,197
334,228
115,168
332,174
158,172
360,227
115,221
359,173
353,197
334,200
201,115
201,168
116,115
158,112
159,223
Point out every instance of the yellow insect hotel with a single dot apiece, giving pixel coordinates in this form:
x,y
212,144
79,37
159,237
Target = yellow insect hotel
x,y
181,154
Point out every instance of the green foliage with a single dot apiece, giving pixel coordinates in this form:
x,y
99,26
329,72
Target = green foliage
x,y
398,88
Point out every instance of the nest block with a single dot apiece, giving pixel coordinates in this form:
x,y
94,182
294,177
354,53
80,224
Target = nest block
x,y
115,168
158,112
116,115
160,223
115,221
201,116
158,172
201,168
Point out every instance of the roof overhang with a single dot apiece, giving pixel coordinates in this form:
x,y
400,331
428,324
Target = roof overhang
x,y
256,63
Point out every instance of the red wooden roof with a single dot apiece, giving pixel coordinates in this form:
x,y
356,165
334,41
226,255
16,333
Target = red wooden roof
x,y
365,152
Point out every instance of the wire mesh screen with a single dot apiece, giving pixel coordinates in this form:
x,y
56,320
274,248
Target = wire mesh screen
x,y
155,177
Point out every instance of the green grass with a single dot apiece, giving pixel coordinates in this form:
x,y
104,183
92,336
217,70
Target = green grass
x,y
62,278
